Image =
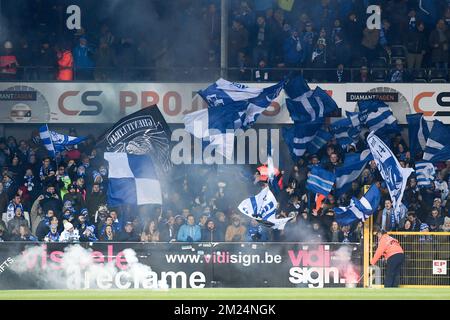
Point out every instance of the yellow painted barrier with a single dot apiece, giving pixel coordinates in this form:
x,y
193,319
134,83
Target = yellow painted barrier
x,y
427,259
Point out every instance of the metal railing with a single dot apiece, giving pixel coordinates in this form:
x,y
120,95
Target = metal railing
x,y
208,74
424,256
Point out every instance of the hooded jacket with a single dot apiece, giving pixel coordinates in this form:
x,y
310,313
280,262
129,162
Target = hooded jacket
x,y
387,247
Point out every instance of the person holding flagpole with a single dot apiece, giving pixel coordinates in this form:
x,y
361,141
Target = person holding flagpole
x,y
390,249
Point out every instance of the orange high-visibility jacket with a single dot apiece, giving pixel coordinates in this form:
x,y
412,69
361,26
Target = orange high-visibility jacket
x,y
387,247
65,64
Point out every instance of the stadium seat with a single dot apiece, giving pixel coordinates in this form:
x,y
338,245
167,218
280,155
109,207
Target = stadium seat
x,y
437,76
419,75
379,75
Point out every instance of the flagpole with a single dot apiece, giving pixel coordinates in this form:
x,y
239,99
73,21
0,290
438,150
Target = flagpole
x,y
53,145
51,140
224,38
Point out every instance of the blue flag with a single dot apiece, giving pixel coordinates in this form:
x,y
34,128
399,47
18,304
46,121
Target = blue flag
x,y
132,180
393,174
418,131
425,173
438,143
352,168
320,180
55,142
299,136
307,105
347,130
320,139
377,116
231,106
359,209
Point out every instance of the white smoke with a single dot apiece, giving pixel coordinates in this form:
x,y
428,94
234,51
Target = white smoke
x,y
78,269
347,269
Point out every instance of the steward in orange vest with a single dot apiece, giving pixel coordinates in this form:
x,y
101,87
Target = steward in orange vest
x,y
65,64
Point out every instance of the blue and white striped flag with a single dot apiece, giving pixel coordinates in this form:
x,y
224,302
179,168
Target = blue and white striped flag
x,y
437,147
320,180
55,142
393,174
425,173
377,116
307,105
263,208
359,209
352,168
132,180
418,131
299,136
231,106
347,130
320,139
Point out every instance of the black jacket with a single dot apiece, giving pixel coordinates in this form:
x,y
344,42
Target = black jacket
x,y
212,235
167,233
128,237
416,42
51,203
93,201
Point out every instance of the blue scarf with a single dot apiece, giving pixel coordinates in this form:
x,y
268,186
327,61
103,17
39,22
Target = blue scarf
x,y
392,220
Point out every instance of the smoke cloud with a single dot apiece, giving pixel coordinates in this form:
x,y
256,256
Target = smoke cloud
x,y
76,268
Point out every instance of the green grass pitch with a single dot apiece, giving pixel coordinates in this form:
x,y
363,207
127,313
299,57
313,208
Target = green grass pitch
x,y
234,294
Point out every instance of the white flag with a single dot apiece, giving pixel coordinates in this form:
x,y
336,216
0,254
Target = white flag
x,y
263,208
393,174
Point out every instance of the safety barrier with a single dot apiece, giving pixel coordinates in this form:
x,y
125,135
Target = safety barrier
x,y
427,256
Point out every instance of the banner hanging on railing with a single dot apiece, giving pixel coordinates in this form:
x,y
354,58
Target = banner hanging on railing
x,y
75,102
178,265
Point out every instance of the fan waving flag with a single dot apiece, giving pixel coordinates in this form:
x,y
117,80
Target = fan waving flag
x,y
352,168
132,180
359,209
305,104
299,136
231,106
377,116
320,139
142,132
425,173
320,180
347,130
55,142
393,174
418,131
263,208
438,143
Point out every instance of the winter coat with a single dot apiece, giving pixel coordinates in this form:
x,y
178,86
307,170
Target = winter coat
x,y
189,233
387,247
416,42
212,235
81,56
439,53
93,201
291,54
65,64
51,203
234,233
128,237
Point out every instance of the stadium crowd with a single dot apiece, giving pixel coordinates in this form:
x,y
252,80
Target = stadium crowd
x,y
42,200
329,39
